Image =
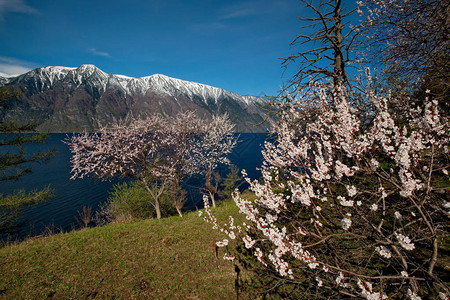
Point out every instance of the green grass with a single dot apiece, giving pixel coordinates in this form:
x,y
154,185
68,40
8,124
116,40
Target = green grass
x,y
172,258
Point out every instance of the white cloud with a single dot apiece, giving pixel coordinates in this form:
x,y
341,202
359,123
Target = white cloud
x,y
11,67
99,53
208,27
12,71
237,13
251,8
15,6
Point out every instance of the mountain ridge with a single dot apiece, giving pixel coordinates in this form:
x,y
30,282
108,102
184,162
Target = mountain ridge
x,y
65,99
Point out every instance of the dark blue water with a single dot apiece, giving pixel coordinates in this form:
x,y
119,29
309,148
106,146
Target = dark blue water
x,y
61,212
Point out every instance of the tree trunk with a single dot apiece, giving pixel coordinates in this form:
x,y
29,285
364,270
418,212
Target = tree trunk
x,y
339,69
211,189
155,198
211,195
179,212
157,209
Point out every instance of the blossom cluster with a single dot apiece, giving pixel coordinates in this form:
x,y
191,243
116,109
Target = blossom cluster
x,y
314,175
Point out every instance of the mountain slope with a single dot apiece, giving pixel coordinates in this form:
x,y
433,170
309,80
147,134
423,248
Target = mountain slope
x,y
65,99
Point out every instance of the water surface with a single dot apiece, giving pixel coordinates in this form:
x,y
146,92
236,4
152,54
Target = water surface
x,y
61,212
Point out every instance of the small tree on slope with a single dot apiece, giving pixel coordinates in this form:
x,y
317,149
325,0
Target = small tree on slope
x,y
219,142
155,151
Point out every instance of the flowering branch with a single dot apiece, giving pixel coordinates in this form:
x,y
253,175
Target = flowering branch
x,y
342,202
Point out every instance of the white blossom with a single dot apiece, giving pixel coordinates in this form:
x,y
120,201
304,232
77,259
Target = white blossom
x,y
248,241
413,296
383,251
345,202
368,293
351,190
319,281
340,281
404,241
317,166
229,257
346,223
374,164
222,243
259,255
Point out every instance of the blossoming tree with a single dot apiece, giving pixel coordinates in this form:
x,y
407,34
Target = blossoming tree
x,y
155,151
218,144
348,207
354,197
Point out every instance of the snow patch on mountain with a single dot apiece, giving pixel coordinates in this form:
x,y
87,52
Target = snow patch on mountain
x,y
5,76
3,79
46,77
66,99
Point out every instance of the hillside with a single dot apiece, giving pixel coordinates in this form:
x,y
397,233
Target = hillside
x,y
62,99
170,258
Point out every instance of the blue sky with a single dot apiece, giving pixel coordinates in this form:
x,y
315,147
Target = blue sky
x,y
235,45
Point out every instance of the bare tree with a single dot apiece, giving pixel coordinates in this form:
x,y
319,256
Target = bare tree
x,y
412,37
330,48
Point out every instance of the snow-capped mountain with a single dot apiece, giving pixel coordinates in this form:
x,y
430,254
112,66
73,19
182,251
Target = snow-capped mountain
x,y
63,99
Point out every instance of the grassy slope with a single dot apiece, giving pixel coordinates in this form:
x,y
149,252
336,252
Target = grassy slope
x,y
170,258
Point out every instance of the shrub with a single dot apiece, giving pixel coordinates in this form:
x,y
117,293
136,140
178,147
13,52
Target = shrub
x,y
232,181
130,202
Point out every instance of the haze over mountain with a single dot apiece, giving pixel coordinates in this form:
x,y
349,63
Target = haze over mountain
x,y
62,99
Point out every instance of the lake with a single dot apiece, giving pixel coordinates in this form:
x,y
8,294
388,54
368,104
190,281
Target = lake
x,y
61,212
